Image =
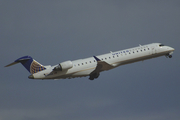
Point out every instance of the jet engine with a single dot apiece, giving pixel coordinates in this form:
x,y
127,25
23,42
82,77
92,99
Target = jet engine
x,y
63,66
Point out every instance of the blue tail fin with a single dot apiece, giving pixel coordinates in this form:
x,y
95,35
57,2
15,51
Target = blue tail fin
x,y
29,63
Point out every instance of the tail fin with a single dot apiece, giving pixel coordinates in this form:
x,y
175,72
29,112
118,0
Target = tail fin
x,y
29,63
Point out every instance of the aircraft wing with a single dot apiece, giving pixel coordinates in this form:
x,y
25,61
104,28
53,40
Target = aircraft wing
x,y
101,66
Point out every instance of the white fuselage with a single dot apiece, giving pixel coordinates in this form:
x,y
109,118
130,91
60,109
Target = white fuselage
x,y
83,67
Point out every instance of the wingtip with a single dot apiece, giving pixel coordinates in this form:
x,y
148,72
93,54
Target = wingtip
x,y
97,59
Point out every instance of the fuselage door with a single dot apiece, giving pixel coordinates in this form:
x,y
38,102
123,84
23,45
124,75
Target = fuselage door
x,y
153,50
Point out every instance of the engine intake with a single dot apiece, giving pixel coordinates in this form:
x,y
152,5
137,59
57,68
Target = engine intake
x,y
63,66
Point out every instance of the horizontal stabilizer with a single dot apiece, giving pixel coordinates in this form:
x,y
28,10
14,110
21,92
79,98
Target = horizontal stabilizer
x,y
11,64
25,58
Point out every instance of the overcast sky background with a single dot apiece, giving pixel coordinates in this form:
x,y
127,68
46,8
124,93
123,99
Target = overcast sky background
x,y
59,30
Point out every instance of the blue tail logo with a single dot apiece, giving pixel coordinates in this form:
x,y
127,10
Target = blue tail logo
x,y
29,63
36,67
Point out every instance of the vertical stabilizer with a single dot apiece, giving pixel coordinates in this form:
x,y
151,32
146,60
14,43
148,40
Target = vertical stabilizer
x,y
29,63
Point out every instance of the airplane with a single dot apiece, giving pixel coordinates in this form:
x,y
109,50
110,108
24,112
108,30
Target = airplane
x,y
92,66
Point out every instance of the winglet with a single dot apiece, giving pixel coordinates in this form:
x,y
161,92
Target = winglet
x,y
97,59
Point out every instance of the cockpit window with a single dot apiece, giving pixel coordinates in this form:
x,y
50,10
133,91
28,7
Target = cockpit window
x,y
161,45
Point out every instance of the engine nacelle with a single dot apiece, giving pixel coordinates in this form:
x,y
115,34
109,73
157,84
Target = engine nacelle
x,y
63,66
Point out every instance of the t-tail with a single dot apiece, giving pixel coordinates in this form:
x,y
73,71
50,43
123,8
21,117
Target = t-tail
x,y
29,63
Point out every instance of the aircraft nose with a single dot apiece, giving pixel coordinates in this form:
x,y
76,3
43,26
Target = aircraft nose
x,y
172,49
31,77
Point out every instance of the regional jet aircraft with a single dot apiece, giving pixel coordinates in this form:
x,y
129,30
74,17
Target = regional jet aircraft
x,y
92,66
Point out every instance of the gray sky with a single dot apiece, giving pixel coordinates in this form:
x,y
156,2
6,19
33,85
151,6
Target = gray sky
x,y
54,31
